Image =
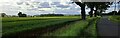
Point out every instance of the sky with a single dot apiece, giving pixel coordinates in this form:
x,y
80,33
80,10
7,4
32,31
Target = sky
x,y
37,7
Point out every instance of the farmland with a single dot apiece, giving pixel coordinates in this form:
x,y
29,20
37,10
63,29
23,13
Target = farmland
x,y
51,26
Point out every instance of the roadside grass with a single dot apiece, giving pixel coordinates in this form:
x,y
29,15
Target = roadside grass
x,y
114,18
77,29
91,30
69,30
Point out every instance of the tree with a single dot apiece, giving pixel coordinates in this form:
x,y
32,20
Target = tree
x,y
82,5
102,6
118,8
3,14
99,7
118,12
83,13
21,15
24,15
91,6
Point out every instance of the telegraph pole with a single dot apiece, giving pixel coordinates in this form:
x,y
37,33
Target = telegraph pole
x,y
115,8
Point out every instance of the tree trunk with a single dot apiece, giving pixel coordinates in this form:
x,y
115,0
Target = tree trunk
x,y
83,14
91,12
95,14
82,5
101,13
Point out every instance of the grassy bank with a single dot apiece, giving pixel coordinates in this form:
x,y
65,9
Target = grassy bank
x,y
77,29
114,18
71,30
91,30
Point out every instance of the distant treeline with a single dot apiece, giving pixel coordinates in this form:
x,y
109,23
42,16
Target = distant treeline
x,y
49,15
112,13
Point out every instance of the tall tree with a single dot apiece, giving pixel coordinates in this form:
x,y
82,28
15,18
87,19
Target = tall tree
x,y
82,5
83,13
91,6
99,7
118,12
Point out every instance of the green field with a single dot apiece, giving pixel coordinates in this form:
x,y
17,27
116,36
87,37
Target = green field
x,y
114,18
14,25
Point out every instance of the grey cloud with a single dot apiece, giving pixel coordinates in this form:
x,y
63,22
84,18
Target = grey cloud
x,y
27,3
19,3
32,9
55,3
44,5
63,6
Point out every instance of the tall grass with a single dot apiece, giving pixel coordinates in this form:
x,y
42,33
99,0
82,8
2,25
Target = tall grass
x,y
70,30
77,29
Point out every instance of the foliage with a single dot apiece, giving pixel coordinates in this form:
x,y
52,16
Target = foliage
x,y
76,29
92,29
3,14
70,30
114,18
21,15
113,13
101,6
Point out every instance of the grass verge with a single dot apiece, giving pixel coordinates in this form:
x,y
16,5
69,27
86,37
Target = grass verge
x,y
91,30
69,30
114,18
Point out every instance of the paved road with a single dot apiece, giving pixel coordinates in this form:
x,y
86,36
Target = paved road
x,y
107,28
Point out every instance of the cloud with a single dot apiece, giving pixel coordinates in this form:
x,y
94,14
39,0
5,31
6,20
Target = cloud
x,y
34,7
27,3
62,6
55,3
67,12
44,5
30,9
19,3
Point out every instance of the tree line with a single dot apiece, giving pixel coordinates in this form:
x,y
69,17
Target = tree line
x,y
95,7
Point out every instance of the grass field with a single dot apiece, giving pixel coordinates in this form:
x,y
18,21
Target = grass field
x,y
114,18
14,25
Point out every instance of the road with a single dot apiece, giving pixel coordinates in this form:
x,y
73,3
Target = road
x,y
107,28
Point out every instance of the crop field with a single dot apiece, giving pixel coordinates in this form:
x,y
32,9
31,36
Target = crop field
x,y
48,26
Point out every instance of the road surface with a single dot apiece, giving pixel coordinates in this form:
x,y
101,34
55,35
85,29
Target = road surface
x,y
107,28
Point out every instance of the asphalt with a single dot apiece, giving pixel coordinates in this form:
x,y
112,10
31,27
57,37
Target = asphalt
x,y
107,28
